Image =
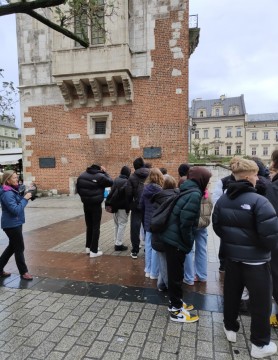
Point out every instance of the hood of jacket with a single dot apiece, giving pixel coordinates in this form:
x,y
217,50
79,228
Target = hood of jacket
x,y
151,189
200,175
142,173
94,169
189,184
239,187
160,197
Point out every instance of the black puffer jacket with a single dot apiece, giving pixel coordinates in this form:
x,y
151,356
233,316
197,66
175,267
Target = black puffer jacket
x,y
246,223
158,199
119,183
272,193
91,184
135,186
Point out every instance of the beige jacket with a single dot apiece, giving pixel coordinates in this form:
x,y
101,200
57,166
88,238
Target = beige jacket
x,y
205,212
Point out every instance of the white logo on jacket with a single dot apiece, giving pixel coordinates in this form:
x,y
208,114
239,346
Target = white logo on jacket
x,y
246,207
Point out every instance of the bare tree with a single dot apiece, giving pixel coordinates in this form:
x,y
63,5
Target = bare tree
x,y
8,95
77,14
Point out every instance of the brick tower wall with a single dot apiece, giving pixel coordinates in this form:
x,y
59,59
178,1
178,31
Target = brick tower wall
x,y
158,115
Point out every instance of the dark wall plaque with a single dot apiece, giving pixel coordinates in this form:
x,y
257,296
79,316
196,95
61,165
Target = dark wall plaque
x,y
151,152
47,162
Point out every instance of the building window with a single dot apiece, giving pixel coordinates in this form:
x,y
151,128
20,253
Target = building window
x,y
265,135
216,150
238,132
265,151
233,110
217,133
201,113
276,135
229,132
7,144
206,134
229,150
205,150
94,28
238,149
254,135
13,134
196,134
99,125
217,112
253,151
6,132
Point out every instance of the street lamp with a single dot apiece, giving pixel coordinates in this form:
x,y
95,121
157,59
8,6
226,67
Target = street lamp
x,y
192,129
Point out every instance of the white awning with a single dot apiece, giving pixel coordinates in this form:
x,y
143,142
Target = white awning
x,y
10,159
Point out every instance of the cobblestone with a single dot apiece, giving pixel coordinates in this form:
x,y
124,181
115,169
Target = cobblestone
x,y
49,325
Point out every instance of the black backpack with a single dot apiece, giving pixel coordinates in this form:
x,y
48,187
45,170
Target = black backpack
x,y
161,215
114,197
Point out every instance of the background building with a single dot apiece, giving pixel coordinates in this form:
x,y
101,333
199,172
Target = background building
x,y
221,127
261,135
124,96
8,133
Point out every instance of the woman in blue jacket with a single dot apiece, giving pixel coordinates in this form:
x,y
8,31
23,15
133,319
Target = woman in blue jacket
x,y
13,205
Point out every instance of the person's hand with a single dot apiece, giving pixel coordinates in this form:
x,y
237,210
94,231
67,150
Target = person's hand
x,y
28,196
102,168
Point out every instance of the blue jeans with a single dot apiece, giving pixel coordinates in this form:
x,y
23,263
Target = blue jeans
x,y
162,281
199,268
151,258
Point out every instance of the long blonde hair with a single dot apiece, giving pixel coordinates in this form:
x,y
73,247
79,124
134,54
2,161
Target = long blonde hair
x,y
155,177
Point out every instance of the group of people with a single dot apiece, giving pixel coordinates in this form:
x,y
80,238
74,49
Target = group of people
x,y
244,217
140,193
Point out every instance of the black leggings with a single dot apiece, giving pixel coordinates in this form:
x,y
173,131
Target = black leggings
x,y
16,247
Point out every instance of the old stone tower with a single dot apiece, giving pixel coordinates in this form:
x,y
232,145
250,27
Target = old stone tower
x,y
125,96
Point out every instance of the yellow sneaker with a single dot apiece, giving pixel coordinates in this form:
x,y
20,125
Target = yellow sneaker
x,y
182,316
273,320
187,307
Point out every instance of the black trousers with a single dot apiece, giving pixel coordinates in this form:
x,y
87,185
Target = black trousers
x,y
16,247
175,267
135,224
92,218
274,272
257,279
221,255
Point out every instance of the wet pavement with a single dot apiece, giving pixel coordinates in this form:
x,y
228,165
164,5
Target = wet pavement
x,y
102,308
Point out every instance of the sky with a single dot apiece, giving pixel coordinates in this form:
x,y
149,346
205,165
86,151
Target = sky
x,y
237,52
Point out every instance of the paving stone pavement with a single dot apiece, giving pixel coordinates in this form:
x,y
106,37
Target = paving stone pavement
x,y
46,325
37,324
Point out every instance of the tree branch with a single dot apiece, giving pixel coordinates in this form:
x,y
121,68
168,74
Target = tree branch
x,y
57,28
23,7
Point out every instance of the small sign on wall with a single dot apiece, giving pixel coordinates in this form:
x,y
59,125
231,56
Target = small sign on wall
x,y
152,152
47,162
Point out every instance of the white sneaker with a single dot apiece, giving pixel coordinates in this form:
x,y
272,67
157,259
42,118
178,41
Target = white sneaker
x,y
153,277
92,254
230,335
147,275
87,250
258,352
